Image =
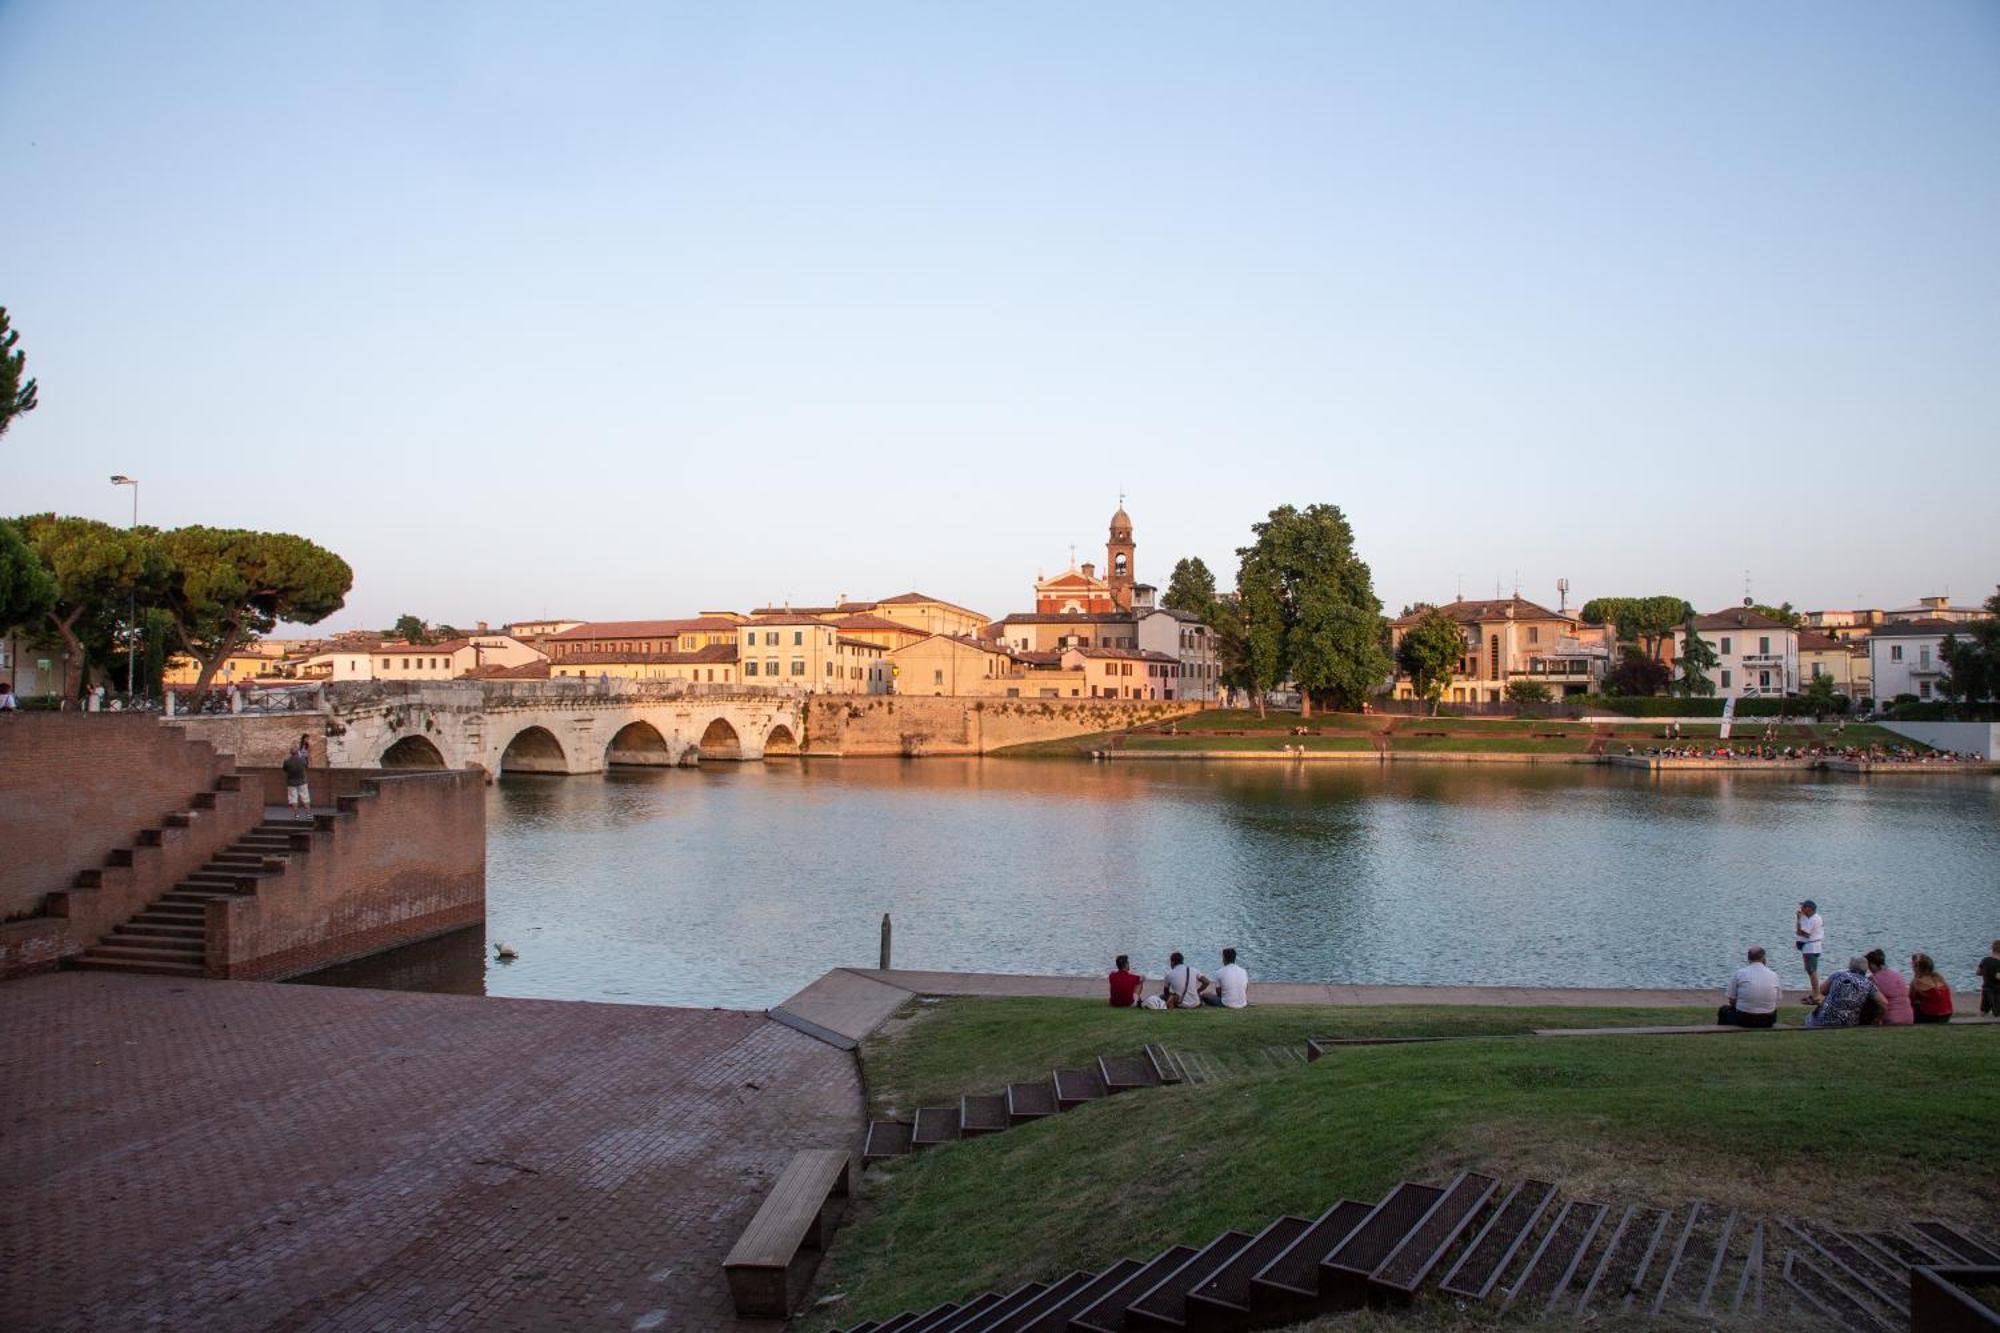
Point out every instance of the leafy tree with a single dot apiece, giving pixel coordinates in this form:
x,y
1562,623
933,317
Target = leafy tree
x,y
229,585
1648,621
1413,608
98,570
410,629
1819,697
1305,587
17,393
1429,653
1261,615
27,589
1637,674
1527,695
1697,660
1783,614
1191,588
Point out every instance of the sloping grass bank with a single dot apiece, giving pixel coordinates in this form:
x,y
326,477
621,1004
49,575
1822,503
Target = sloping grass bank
x,y
1875,1122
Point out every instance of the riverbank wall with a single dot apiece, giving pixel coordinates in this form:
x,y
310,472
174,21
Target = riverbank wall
x,y
914,725
257,740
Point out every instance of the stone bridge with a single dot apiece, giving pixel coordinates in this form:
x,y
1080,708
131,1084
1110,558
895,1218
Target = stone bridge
x,y
555,726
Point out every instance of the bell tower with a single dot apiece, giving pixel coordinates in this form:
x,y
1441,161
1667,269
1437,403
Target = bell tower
x,y
1119,572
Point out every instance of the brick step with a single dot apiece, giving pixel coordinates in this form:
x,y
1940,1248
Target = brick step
x,y
1001,1320
1291,1282
137,932
1054,1316
1120,1073
170,918
92,962
1011,1304
1494,1248
135,954
1030,1101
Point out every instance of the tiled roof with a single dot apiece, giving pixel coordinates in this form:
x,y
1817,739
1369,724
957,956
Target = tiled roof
x,y
1928,627
713,653
1812,641
1738,617
1127,654
920,599
876,624
786,618
843,640
1067,618
1476,612
642,629
538,670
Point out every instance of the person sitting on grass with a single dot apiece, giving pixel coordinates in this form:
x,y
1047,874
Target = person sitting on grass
x,y
1751,1001
1848,999
1184,985
1125,984
1891,989
1930,993
1232,984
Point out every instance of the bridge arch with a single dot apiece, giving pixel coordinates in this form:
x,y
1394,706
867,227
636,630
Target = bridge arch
x,y
781,741
413,752
639,743
534,750
720,741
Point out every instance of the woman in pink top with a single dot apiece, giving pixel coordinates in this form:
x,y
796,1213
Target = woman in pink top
x,y
1893,991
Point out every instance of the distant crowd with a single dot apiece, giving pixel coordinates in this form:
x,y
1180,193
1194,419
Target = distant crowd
x,y
1872,754
1868,991
1183,987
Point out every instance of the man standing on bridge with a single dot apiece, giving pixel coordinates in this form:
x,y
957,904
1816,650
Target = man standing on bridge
x,y
298,796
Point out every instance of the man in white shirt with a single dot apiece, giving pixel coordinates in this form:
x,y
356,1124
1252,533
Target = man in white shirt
x,y
1184,985
1752,998
1232,984
1811,932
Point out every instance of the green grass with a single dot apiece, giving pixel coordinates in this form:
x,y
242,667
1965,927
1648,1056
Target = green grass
x,y
1488,745
1262,742
1885,1120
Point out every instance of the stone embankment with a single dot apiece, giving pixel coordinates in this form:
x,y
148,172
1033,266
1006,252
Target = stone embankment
x,y
912,725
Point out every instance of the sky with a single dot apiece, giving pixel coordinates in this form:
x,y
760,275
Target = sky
x,y
634,310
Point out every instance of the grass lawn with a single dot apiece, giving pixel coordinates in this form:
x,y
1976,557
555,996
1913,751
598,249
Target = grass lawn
x,y
1489,744
1259,742
1882,1120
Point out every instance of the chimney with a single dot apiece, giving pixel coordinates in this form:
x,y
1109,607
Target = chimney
x,y
1090,571
482,627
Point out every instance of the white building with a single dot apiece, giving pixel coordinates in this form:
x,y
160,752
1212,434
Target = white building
x,y
1756,657
1903,657
419,661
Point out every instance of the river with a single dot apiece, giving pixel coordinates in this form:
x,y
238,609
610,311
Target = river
x,y
734,885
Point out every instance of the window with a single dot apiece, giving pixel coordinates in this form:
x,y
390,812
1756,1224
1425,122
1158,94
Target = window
x,y
798,638
798,666
1924,657
829,669
1923,689
1763,680
770,666
750,666
1764,644
1534,634
1725,678
770,638
1724,650
1895,652
937,677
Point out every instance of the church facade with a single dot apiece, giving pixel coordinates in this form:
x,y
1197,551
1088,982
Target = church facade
x,y
1079,591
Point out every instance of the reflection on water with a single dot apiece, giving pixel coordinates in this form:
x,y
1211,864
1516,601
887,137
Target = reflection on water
x,y
735,885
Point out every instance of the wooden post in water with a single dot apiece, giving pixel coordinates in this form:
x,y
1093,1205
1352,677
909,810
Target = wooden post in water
x,y
885,941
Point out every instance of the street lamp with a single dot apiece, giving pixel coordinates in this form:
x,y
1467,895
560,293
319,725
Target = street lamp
x,y
132,605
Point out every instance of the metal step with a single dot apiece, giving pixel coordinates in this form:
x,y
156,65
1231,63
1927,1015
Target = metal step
x,y
1107,1313
1030,1101
1164,1304
1224,1298
1054,1316
1479,1269
1405,1267
935,1125
982,1113
886,1139
1074,1087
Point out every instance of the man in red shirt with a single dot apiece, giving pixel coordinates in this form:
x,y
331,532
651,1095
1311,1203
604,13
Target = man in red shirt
x,y
1125,984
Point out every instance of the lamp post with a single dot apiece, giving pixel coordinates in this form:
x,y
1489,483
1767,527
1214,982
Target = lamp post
x,y
132,604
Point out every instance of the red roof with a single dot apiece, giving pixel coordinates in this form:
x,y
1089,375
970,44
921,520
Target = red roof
x,y
877,624
713,653
1478,612
1738,617
525,671
641,629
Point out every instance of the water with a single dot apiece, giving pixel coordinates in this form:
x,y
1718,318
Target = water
x,y
735,885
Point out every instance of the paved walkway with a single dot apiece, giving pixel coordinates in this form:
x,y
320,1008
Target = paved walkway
x,y
225,1155
848,1003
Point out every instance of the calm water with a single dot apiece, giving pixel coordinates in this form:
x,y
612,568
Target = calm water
x,y
735,885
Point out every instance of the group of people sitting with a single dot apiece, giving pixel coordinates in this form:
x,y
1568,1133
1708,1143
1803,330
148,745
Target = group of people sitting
x,y
1868,992
1183,987
1874,754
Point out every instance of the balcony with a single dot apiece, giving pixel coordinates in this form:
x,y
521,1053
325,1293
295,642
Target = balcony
x,y
1763,659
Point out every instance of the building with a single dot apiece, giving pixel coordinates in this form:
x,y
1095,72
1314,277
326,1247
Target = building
x,y
1756,657
644,636
1904,657
914,611
1175,634
1511,639
1847,626
540,629
1122,673
1079,591
805,653
954,664
715,664
1846,664
871,628
1937,608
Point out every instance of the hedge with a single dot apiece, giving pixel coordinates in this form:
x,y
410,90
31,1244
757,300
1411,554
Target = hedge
x,y
1667,706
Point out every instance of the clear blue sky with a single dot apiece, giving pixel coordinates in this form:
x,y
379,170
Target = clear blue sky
x,y
629,310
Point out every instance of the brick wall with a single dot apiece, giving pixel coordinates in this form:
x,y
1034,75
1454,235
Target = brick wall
x,y
76,786
929,724
404,860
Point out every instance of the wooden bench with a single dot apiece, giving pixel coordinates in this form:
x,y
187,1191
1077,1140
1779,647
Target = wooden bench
x,y
776,1253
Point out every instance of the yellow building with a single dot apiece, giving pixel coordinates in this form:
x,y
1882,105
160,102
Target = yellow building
x,y
928,615
1122,673
1512,639
644,636
244,664
871,628
805,653
713,665
1847,663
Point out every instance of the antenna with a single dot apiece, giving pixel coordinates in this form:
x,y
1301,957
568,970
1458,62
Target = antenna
x,y
1562,594
1517,583
1748,600
1459,596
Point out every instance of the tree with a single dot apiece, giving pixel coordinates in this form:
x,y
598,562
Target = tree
x,y
98,572
1527,695
1637,674
17,393
27,589
228,585
1261,628
1429,653
1819,697
1648,621
1309,592
409,629
1697,659
1783,614
1414,608
1191,588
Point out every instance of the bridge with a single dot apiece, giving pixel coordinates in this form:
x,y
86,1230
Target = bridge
x,y
565,726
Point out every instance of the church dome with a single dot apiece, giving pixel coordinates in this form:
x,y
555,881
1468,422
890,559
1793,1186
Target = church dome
x,y
1121,519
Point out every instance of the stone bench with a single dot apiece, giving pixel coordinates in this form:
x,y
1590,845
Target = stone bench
x,y
774,1256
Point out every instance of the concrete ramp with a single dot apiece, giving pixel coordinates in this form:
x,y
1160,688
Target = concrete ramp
x,y
841,1008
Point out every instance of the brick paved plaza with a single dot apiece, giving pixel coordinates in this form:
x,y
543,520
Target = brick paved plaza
x,y
236,1155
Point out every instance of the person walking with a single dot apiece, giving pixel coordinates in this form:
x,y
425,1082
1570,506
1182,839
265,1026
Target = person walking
x,y
298,796
1810,929
1751,1001
1989,982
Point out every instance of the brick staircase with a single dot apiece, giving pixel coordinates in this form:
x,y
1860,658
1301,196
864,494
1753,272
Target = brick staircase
x,y
169,937
1517,1250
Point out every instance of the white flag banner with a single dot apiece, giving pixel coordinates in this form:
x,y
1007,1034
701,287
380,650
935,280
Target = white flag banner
x,y
1728,715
